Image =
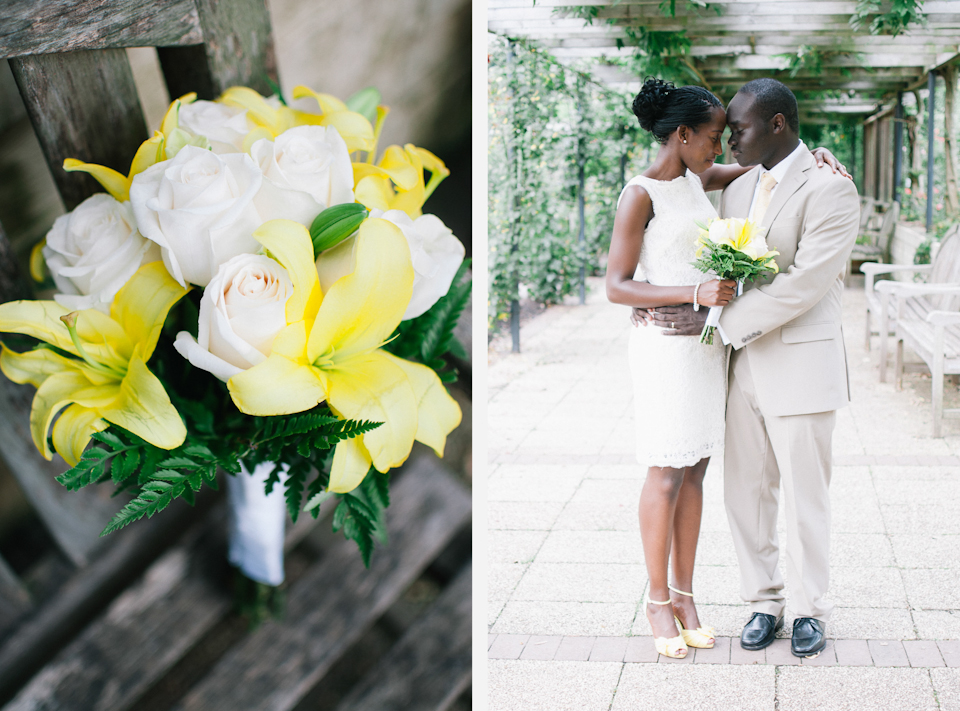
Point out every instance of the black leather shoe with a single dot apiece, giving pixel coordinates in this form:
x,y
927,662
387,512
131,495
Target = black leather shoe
x,y
760,631
809,637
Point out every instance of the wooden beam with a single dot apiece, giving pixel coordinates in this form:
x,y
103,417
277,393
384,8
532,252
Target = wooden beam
x,y
48,26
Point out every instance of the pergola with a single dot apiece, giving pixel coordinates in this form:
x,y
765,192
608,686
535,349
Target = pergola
x,y
733,41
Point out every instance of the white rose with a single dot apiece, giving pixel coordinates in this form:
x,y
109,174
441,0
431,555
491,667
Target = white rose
x,y
724,231
242,310
435,252
199,208
92,252
224,126
306,170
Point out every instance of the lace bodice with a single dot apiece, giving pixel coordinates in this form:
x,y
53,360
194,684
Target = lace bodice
x,y
669,242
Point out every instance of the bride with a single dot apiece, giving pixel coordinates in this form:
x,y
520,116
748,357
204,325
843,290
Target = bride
x,y
679,383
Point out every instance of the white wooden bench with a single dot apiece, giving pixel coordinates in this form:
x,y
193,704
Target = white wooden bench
x,y
881,304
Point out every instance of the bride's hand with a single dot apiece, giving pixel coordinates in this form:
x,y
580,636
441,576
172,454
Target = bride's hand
x,y
716,293
822,155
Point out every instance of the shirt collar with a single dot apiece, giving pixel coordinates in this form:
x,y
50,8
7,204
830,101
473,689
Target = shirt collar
x,y
779,171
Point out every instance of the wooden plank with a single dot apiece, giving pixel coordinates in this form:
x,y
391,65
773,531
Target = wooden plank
x,y
14,598
13,284
87,592
331,606
48,26
82,105
429,667
237,50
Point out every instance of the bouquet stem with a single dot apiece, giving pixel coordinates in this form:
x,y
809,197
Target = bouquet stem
x,y
257,522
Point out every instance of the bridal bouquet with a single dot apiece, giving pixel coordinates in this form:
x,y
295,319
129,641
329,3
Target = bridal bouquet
x,y
260,293
735,249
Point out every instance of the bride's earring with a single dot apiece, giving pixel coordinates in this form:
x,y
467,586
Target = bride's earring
x,y
684,140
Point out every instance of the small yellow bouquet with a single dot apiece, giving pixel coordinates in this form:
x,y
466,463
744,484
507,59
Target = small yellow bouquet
x,y
732,248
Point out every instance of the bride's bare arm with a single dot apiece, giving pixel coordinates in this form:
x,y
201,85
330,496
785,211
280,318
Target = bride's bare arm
x,y
633,215
717,177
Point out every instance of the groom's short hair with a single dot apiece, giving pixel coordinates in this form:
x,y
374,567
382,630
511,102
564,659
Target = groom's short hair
x,y
772,97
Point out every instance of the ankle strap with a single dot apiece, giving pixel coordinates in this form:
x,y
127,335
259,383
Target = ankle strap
x,y
657,602
680,592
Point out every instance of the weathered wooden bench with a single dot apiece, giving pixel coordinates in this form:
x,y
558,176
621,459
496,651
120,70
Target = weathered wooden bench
x,y
873,242
925,319
142,619
881,304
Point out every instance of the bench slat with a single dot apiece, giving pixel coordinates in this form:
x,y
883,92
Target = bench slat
x,y
14,598
430,666
337,599
82,105
45,26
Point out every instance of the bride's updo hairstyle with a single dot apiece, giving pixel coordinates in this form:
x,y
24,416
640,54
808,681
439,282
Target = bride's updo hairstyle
x,y
661,107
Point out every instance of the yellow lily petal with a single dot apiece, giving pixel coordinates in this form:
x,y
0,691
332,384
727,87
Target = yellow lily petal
x,y
438,414
362,309
355,130
258,110
115,183
144,408
370,386
103,337
277,386
397,163
351,463
142,304
255,135
71,433
305,118
374,192
38,265
171,119
37,365
149,153
54,394
328,103
382,112
438,171
290,244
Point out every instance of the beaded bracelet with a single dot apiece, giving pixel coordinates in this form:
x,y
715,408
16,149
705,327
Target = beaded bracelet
x,y
696,304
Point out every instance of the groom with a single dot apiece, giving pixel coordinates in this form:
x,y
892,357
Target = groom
x,y
788,372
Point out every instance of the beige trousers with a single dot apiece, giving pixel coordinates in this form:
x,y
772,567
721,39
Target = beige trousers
x,y
762,454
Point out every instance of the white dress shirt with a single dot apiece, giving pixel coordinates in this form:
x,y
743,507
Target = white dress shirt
x,y
779,172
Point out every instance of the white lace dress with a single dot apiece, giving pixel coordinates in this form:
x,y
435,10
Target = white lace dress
x,y
679,384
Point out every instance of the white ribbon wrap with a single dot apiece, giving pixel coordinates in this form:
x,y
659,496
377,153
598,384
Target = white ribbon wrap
x,y
713,317
257,524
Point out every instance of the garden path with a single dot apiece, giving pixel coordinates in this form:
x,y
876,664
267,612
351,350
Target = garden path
x,y
566,573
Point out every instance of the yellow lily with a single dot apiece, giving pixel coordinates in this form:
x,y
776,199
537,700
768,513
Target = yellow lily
x,y
151,151
396,182
355,129
331,350
97,367
742,235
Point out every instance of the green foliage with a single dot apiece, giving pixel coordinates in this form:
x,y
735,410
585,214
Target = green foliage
x,y
729,263
810,60
360,513
922,255
429,337
899,15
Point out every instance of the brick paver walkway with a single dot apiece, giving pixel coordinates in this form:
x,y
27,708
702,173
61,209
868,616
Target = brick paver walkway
x,y
566,574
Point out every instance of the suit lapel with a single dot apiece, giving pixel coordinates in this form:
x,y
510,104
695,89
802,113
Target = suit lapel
x,y
796,176
739,195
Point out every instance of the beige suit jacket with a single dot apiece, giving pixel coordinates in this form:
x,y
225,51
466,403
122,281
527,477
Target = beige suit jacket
x,y
790,324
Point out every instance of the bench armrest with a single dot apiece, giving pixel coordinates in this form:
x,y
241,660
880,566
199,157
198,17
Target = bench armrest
x,y
944,318
872,269
899,288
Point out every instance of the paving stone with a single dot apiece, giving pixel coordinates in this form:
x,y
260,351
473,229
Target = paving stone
x,y
923,653
946,682
640,649
574,649
551,686
779,653
888,653
525,515
491,638
860,549
853,653
494,608
871,623
883,587
937,624
541,647
706,686
507,646
566,618
805,688
608,649
592,547
826,658
582,582
513,546
926,590
502,578
739,655
718,654
950,651
597,516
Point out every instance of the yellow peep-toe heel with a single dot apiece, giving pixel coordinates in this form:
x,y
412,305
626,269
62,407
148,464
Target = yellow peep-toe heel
x,y
673,647
702,637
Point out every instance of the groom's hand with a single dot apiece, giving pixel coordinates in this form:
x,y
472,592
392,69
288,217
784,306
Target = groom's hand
x,y
680,320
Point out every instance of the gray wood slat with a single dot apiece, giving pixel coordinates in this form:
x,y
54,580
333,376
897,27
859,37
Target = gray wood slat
x,y
60,618
336,600
14,598
237,50
73,518
429,667
47,26
82,105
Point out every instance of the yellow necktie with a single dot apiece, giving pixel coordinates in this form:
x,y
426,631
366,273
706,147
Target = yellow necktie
x,y
767,184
